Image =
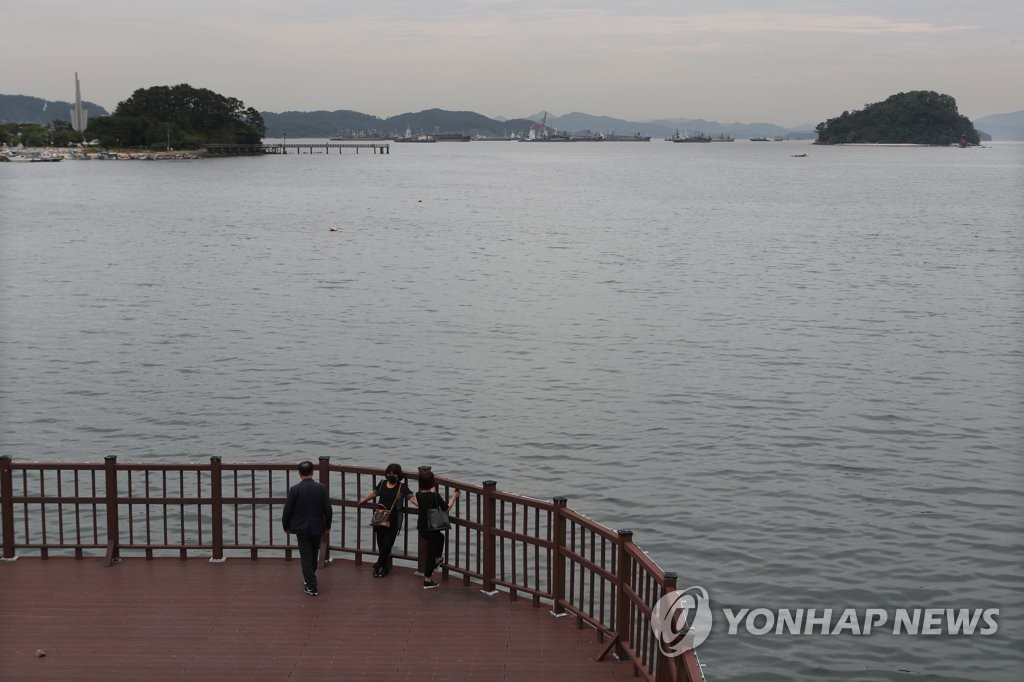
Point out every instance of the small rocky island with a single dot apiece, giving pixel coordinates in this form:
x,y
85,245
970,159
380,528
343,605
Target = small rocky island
x,y
917,117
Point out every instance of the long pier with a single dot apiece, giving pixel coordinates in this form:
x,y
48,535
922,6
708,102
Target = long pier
x,y
296,147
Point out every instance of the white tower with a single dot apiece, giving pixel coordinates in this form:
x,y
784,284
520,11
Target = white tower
x,y
79,116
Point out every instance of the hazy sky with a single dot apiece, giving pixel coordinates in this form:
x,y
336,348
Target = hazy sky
x,y
787,62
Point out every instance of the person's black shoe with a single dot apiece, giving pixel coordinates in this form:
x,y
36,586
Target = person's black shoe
x,y
311,591
429,585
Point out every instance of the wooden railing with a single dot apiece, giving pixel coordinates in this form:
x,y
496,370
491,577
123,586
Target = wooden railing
x,y
507,543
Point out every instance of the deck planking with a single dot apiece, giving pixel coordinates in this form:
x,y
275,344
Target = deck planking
x,y
168,619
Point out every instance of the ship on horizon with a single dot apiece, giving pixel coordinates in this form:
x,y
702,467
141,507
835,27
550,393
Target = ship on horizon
x,y
685,137
418,137
635,137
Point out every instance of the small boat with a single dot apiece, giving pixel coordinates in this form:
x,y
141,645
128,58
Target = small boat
x,y
759,139
798,156
31,157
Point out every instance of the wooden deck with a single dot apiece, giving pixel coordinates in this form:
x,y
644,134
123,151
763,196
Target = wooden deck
x,y
167,619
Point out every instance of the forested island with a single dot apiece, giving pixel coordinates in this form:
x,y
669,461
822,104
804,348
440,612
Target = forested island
x,y
916,117
157,118
178,117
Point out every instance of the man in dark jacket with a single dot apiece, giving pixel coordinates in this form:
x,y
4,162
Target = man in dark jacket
x,y
307,514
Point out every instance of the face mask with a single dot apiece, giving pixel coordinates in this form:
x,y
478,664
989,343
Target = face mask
x,y
392,478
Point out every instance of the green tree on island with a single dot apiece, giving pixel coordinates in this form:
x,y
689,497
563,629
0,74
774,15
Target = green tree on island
x,y
917,117
56,134
178,116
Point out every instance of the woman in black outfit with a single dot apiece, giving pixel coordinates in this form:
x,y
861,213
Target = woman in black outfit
x,y
386,493
428,498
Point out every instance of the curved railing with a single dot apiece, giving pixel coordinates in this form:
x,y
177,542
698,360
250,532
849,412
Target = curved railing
x,y
525,547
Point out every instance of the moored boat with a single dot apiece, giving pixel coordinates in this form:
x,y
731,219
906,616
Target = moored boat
x,y
636,137
418,137
451,137
30,157
685,137
342,137
546,137
490,138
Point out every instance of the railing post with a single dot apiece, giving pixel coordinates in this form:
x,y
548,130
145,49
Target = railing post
x,y
664,665
557,557
489,552
7,500
421,547
622,580
217,509
325,481
113,534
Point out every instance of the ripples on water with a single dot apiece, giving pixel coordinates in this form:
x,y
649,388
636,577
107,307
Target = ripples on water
x,y
799,381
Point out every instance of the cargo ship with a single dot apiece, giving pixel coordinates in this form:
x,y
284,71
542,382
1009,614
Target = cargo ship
x,y
451,137
699,137
418,137
637,137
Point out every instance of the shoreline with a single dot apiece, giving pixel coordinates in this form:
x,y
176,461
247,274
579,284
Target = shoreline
x,y
84,154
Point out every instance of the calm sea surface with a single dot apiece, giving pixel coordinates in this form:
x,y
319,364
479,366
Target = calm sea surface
x,y
800,381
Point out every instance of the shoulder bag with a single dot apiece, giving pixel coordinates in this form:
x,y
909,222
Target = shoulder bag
x,y
381,517
437,518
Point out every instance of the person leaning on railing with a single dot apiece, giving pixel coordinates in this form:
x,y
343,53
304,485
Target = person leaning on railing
x,y
428,498
390,494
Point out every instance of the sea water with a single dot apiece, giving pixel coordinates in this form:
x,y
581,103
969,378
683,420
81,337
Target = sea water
x,y
798,380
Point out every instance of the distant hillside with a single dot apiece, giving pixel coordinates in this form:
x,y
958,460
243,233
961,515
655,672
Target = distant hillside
x,y
578,122
1003,126
320,123
25,109
739,130
441,121
660,128
331,123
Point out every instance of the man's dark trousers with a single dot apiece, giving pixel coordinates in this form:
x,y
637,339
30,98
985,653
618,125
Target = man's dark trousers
x,y
309,555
